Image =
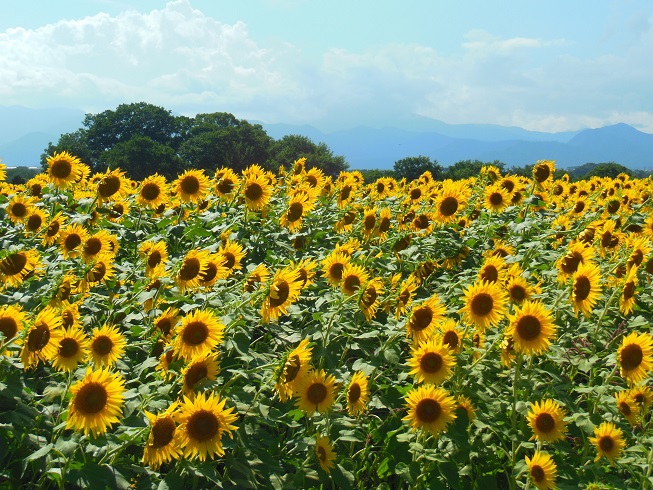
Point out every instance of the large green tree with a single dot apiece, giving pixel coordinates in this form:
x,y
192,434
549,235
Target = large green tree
x,y
464,169
411,168
291,147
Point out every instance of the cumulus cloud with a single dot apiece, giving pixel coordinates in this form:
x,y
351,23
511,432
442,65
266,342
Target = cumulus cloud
x,y
186,61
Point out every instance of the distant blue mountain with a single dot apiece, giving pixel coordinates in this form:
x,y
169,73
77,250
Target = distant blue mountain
x,y
25,133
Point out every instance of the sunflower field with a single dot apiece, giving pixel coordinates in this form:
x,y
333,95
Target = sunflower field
x,y
293,330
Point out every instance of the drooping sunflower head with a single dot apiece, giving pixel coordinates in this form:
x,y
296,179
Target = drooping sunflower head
x,y
429,408
546,419
542,470
635,356
96,403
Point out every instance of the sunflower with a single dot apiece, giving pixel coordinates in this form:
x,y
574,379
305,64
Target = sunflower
x,y
519,289
424,318
17,266
431,361
423,222
627,406
635,356
450,201
333,267
112,185
586,288
531,328
71,240
12,321
353,278
35,221
325,454
451,336
107,345
316,392
642,395
283,291
627,298
204,366
163,443
357,394
3,173
546,419
226,181
346,222
166,321
259,275
97,245
542,470
292,370
96,403
193,267
464,404
233,253
384,223
43,337
305,272
63,169
485,304
156,257
215,270
198,333
191,186
257,191
578,253
430,408
493,269
102,270
298,206
202,423
19,209
369,299
73,349
153,192
496,198
608,440
543,171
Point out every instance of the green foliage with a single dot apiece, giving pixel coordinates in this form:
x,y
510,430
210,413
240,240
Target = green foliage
x,y
373,175
20,175
465,169
411,168
291,147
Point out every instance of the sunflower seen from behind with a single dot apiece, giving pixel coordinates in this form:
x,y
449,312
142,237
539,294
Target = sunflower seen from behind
x,y
546,419
431,361
203,421
635,357
96,403
542,470
163,441
429,408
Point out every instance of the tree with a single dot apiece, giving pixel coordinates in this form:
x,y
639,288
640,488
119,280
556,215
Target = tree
x,y
609,169
465,169
411,168
291,147
74,143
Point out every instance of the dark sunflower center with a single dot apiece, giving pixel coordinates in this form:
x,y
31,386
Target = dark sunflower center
x,y
422,222
369,222
279,293
254,191
421,318
93,246
190,185
636,257
72,241
428,410
570,262
109,186
631,357
625,409
449,206
629,290
537,473
13,264
8,327
544,422
162,432
541,173
518,293
230,260
335,271
316,393
36,190
354,393
291,368
67,319
225,186
195,333
490,273
19,210
529,327
190,269
508,185
153,259
482,304
203,425
613,206
295,211
404,296
210,273
415,193
34,222
97,272
53,228
61,169
516,197
91,398
345,192
496,199
349,217
384,225
352,283
606,443
321,454
195,373
450,338
369,297
431,362
164,325
579,207
150,191
102,345
582,288
68,347
38,337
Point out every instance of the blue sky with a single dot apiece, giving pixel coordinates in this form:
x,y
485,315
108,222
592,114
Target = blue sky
x,y
548,66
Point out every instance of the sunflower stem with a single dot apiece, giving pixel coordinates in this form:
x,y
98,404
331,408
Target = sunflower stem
x,y
513,414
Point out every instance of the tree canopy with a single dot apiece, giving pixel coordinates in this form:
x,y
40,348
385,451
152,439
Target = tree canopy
x,y
411,168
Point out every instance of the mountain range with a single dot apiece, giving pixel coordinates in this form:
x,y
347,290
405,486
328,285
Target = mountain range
x,y
25,133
